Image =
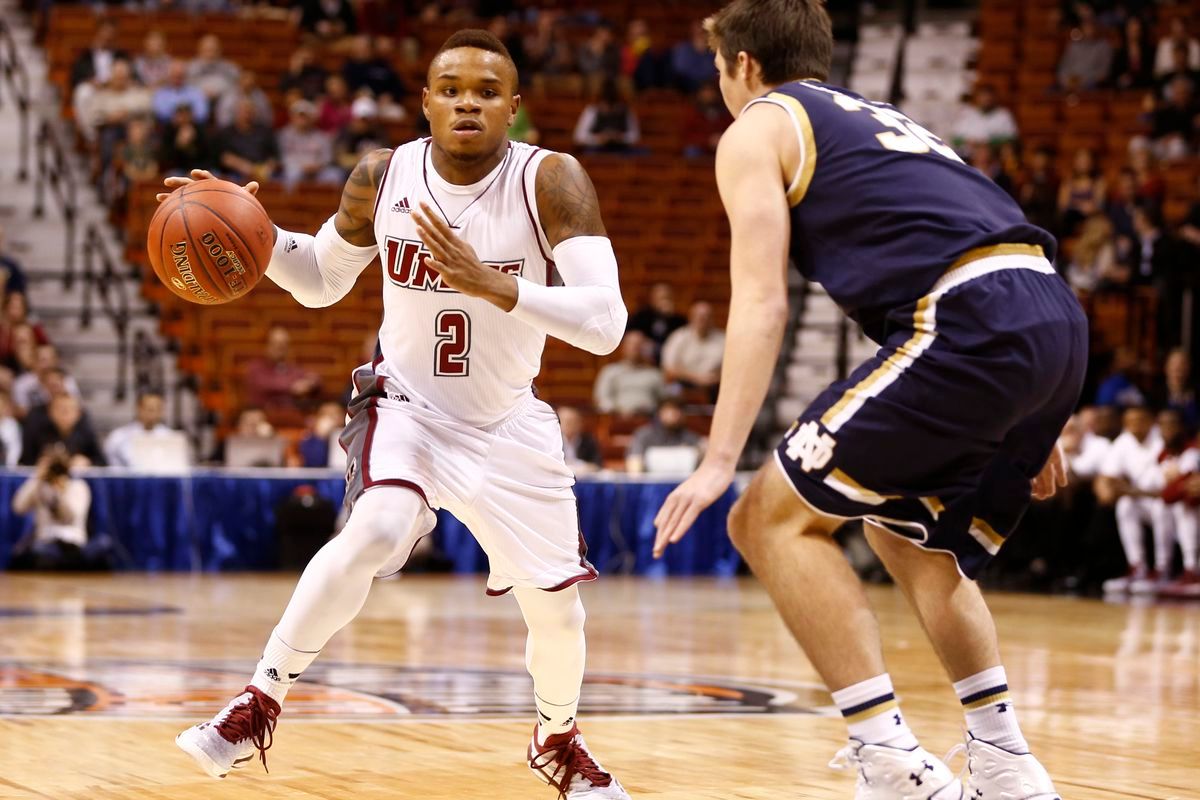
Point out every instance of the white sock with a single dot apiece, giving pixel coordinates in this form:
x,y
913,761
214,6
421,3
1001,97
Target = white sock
x,y
280,667
554,655
989,708
872,713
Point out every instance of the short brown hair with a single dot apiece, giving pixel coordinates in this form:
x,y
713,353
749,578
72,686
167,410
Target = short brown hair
x,y
790,39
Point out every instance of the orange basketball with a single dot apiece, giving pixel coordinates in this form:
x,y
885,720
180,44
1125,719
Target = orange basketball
x,y
210,241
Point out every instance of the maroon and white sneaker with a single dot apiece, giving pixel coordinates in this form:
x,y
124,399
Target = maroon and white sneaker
x,y
1123,584
229,740
565,763
1185,587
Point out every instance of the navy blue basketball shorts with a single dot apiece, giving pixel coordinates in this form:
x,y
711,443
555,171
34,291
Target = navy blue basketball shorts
x,y
938,436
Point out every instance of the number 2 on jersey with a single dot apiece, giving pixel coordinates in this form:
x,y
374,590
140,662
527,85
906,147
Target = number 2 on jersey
x,y
450,359
906,136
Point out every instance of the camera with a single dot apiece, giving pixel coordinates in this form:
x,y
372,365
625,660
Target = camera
x,y
58,463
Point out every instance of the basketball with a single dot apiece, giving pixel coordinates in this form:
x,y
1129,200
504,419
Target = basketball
x,y
210,242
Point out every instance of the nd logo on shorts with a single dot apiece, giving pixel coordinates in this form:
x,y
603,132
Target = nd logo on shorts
x,y
809,446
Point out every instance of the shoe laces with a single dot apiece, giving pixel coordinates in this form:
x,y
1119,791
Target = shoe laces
x,y
571,758
254,719
846,758
956,751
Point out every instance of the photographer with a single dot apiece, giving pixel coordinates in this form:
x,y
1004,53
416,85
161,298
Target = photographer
x,y
60,505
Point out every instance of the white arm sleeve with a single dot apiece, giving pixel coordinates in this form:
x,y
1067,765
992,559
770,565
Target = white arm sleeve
x,y
317,270
587,311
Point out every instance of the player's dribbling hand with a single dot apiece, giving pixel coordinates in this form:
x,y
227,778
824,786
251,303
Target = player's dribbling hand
x,y
175,182
684,505
456,261
1052,476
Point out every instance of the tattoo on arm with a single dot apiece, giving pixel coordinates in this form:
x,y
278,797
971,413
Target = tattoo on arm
x,y
567,200
356,216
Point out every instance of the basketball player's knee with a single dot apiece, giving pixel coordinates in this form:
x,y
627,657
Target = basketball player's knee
x,y
552,613
739,523
379,526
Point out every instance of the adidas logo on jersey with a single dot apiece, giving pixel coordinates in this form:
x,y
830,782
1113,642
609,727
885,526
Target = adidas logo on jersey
x,y
402,206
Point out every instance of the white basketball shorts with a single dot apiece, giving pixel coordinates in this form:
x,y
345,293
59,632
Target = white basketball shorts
x,y
509,485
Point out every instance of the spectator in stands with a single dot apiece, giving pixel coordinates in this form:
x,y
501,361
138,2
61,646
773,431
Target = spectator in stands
x,y
1038,191
1094,263
153,64
1180,465
119,444
1189,229
248,151
247,88
1155,259
176,92
1176,390
1180,70
692,354
1081,195
209,71
546,50
599,58
335,107
1118,388
1133,66
641,62
371,71
1173,127
319,439
185,145
20,350
137,157
275,382
328,19
1087,60
668,429
37,386
580,447
608,124
252,424
983,121
632,385
657,319
360,137
61,421
10,432
1122,201
306,152
60,504
12,276
1087,438
95,63
1129,479
304,74
1151,186
16,312
102,112
1177,37
692,64
523,129
983,158
706,119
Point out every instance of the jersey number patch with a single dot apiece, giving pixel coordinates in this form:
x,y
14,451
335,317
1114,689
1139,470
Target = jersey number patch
x,y
450,354
905,135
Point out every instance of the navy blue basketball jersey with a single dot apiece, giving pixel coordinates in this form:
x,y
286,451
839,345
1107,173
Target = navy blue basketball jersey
x,y
881,208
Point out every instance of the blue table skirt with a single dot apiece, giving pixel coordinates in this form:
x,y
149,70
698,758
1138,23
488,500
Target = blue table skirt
x,y
215,520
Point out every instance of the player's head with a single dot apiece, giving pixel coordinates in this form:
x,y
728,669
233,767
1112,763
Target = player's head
x,y
471,95
760,44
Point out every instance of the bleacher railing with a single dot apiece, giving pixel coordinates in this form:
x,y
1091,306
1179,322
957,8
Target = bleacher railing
x,y
104,289
56,176
17,80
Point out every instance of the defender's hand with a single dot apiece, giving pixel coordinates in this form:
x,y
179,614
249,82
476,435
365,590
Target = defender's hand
x,y
1052,476
684,504
196,175
459,266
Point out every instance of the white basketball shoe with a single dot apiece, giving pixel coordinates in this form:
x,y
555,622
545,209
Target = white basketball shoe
x,y
229,740
893,773
994,773
565,763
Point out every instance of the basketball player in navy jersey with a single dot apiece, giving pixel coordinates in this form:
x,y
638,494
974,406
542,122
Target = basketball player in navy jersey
x,y
936,443
468,226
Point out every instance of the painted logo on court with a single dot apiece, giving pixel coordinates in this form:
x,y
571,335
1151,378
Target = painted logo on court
x,y
146,689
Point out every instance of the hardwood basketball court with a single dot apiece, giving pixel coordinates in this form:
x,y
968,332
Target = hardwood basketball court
x,y
695,691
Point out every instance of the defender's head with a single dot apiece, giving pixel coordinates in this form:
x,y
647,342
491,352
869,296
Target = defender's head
x,y
471,98
760,44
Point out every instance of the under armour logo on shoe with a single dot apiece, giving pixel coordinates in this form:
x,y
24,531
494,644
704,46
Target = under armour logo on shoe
x,y
916,776
402,206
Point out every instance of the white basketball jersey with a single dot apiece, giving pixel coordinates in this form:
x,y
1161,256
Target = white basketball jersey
x,y
461,354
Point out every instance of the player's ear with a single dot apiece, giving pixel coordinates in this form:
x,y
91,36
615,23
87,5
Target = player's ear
x,y
512,109
425,101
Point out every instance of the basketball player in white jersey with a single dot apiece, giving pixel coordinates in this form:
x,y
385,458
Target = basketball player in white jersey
x,y
469,227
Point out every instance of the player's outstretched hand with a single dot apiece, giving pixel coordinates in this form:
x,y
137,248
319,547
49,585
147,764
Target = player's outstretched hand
x,y
1052,476
457,263
174,183
684,504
